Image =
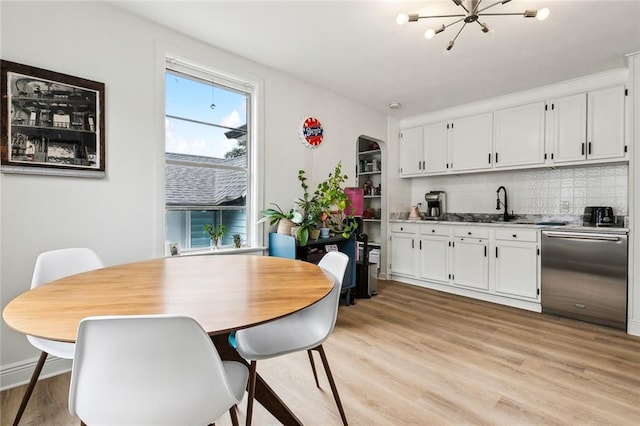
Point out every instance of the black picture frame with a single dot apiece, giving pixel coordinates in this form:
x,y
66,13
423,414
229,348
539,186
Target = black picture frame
x,y
52,123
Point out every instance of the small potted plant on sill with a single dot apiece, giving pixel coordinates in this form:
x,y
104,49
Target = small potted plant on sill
x,y
237,241
216,232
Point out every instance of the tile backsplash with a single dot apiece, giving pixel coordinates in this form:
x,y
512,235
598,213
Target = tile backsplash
x,y
541,191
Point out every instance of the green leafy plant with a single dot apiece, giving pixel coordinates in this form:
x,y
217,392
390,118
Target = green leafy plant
x,y
273,216
334,200
216,232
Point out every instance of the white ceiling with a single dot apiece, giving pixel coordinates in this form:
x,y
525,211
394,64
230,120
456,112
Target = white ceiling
x,y
355,48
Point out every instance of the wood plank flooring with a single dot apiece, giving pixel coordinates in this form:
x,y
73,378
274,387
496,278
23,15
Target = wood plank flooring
x,y
412,356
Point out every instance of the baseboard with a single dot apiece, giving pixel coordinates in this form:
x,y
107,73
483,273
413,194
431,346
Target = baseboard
x,y
533,306
633,327
19,373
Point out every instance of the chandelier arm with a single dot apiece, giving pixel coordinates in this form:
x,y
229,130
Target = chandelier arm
x,y
459,31
443,16
454,22
475,9
488,7
500,14
461,4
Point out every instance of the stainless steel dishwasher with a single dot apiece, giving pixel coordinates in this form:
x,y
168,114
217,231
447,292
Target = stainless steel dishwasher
x,y
584,275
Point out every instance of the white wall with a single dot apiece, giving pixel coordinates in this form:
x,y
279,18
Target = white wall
x,y
121,217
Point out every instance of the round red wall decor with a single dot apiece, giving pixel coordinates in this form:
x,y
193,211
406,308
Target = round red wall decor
x,y
311,132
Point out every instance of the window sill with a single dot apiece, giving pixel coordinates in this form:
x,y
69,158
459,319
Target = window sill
x,y
225,250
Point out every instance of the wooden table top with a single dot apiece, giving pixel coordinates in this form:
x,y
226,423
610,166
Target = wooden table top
x,y
223,293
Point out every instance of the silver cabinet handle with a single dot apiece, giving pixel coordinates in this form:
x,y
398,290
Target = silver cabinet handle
x,y
577,236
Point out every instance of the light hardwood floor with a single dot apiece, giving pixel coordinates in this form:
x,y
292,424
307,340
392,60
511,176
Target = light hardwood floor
x,y
420,357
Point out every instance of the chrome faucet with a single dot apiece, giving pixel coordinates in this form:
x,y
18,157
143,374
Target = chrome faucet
x,y
507,216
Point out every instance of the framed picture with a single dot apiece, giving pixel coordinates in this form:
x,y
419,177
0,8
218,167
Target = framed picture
x,y
52,123
330,247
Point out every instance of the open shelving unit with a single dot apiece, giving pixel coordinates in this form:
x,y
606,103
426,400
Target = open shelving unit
x,y
369,167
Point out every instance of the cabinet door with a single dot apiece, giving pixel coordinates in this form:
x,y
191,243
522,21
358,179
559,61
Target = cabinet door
x,y
605,123
402,246
519,137
471,140
411,151
435,147
569,128
434,259
516,269
471,263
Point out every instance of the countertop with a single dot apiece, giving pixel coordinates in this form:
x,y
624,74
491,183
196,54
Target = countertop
x,y
572,227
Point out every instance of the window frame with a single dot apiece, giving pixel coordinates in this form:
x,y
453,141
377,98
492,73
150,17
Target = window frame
x,y
253,168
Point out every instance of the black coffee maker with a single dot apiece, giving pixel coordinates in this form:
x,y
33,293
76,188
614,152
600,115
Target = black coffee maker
x,y
436,208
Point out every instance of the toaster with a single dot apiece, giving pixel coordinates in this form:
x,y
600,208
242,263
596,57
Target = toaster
x,y
598,216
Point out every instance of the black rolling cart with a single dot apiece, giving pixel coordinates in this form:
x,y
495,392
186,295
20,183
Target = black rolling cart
x,y
366,272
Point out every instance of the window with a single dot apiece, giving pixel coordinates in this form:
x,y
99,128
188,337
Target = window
x,y
207,145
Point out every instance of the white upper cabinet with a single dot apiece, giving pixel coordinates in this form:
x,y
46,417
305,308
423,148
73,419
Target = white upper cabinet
x,y
568,117
577,127
435,147
519,135
411,159
470,143
605,123
588,126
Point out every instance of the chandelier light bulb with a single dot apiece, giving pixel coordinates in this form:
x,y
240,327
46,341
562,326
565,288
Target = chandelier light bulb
x,y
429,33
542,14
402,19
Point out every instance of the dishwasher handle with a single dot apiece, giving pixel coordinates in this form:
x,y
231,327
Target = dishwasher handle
x,y
577,236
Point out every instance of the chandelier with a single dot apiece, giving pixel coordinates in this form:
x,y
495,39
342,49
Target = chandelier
x,y
473,12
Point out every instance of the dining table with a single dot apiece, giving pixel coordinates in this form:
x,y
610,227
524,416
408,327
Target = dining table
x,y
223,293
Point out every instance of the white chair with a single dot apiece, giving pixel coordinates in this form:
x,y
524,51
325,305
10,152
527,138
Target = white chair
x,y
50,266
151,370
303,330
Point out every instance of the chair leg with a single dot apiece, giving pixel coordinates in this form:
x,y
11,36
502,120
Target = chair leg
x,y
32,384
252,391
325,362
313,367
234,415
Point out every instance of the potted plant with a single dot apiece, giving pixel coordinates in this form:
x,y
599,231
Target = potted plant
x,y
285,221
216,232
308,229
237,241
334,200
311,210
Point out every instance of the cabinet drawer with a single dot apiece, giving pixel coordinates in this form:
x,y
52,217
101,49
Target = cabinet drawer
x,y
442,230
513,234
408,228
471,232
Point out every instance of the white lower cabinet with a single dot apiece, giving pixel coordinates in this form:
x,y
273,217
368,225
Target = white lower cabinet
x,y
496,263
470,263
516,263
403,244
433,259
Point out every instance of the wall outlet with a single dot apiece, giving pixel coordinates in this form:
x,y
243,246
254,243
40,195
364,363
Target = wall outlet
x,y
564,207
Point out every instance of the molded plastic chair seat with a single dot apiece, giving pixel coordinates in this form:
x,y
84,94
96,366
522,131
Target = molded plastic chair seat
x,y
151,370
293,333
59,349
305,330
50,266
